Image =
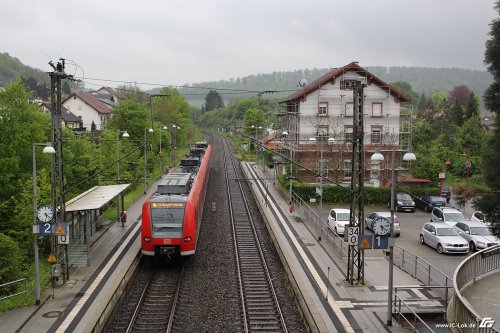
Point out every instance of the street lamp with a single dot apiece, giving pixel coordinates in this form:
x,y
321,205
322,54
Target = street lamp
x,y
47,150
145,157
255,144
285,134
321,175
378,157
173,144
161,153
125,135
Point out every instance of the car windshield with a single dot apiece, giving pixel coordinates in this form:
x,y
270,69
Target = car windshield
x,y
436,199
343,216
455,216
482,231
447,232
404,196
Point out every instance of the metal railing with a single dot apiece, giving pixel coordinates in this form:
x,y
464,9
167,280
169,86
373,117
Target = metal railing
x,y
423,271
460,310
402,311
333,240
14,294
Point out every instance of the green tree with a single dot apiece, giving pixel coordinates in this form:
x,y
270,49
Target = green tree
x,y
253,117
21,124
489,203
472,108
213,101
9,269
407,89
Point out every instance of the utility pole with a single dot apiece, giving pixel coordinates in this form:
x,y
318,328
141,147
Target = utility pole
x,y
355,262
57,141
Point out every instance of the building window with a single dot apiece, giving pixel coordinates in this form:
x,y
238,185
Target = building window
x,y
377,109
322,109
376,136
347,168
349,107
348,136
322,132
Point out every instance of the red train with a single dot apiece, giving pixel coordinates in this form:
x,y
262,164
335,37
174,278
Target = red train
x,y
171,217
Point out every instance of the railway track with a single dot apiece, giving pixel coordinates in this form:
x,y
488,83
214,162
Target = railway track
x,y
261,309
151,306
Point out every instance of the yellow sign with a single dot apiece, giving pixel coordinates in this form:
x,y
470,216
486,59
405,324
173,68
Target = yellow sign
x,y
60,230
167,205
365,244
52,258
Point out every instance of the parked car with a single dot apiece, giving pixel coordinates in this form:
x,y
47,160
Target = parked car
x,y
387,215
478,216
446,192
447,215
428,201
477,234
443,238
403,202
338,219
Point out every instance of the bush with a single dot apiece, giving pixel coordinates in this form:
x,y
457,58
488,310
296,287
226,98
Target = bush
x,y
11,260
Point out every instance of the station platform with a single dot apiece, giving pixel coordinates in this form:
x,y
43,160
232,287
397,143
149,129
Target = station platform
x,y
318,274
91,291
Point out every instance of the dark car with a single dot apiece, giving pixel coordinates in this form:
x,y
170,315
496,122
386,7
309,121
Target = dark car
x,y
403,202
429,201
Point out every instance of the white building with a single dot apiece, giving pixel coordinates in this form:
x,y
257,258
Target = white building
x,y
89,109
324,109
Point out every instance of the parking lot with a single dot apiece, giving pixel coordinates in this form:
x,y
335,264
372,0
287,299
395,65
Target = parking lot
x,y
411,224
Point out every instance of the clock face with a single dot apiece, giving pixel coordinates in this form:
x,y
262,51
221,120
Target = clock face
x,y
45,213
381,226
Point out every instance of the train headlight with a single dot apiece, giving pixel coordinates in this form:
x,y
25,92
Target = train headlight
x,y
147,239
188,239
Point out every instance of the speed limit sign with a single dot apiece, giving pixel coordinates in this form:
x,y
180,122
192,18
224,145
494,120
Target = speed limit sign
x,y
352,237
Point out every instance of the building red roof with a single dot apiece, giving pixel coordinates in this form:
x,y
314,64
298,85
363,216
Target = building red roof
x,y
93,102
332,75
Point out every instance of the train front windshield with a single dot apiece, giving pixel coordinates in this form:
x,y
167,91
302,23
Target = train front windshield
x,y
167,218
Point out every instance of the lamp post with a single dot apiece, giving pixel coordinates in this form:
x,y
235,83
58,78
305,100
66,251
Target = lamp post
x,y
47,150
377,156
321,175
173,143
145,157
161,153
285,134
118,146
255,145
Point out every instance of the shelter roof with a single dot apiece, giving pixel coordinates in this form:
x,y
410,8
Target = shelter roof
x,y
95,198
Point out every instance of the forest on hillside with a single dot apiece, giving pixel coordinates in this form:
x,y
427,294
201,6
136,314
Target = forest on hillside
x,y
424,80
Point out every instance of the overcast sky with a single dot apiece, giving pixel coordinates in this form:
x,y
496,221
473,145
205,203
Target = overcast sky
x,y
187,41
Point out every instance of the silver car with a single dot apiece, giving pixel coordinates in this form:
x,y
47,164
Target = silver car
x,y
477,234
443,237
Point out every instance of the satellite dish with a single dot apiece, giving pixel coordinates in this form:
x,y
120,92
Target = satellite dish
x,y
303,83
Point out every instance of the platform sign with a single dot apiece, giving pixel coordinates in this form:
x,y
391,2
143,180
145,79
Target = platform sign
x,y
45,229
352,237
381,242
52,259
61,229
63,239
365,242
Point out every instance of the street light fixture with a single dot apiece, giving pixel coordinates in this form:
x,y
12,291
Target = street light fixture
x,y
378,157
48,149
145,157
